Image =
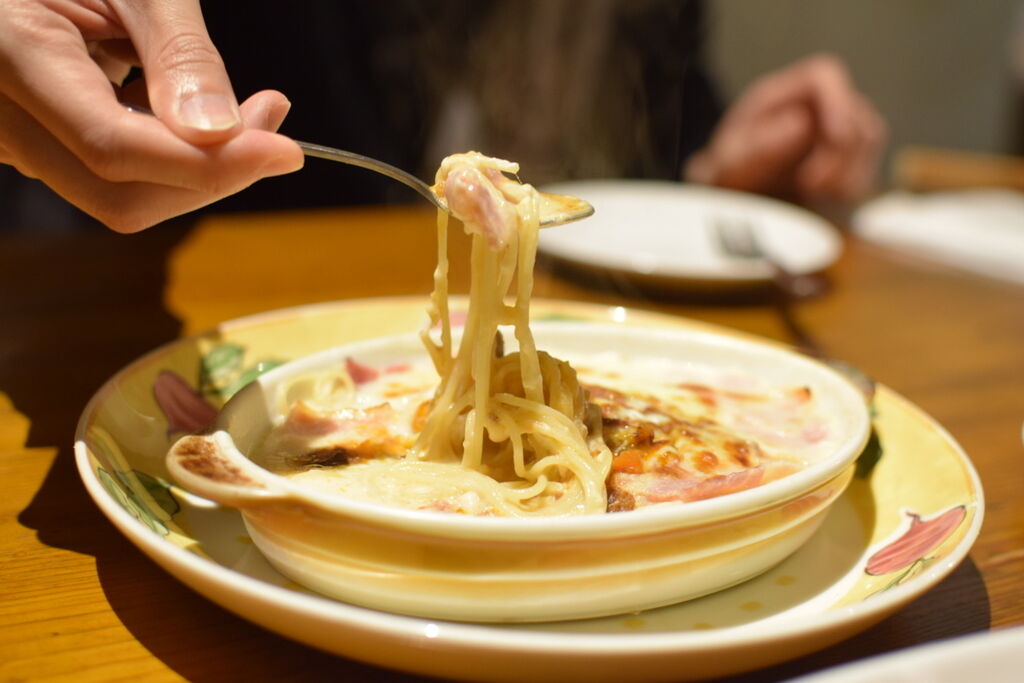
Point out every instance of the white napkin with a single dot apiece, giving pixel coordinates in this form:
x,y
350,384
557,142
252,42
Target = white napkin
x,y
978,230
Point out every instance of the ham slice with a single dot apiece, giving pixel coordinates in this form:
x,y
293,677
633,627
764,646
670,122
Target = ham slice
x,y
479,195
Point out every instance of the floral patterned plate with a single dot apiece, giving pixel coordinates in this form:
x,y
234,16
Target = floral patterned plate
x,y
893,535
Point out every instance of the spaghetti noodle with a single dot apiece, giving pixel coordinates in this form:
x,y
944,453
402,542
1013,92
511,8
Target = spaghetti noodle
x,y
522,419
503,434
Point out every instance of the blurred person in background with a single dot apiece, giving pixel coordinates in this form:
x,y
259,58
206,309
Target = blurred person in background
x,y
606,88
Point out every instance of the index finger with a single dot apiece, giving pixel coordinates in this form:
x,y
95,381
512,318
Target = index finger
x,y
53,78
189,88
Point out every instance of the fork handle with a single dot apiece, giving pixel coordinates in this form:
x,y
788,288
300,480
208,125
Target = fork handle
x,y
311,149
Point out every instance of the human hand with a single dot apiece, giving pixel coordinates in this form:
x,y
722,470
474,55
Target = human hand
x,y
61,119
803,131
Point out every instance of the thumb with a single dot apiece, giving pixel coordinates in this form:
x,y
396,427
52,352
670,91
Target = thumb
x,y
189,89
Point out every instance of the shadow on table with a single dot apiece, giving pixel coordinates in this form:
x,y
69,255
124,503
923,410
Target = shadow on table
x,y
76,307
203,642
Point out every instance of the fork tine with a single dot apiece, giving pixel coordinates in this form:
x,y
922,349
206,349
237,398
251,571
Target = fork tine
x,y
736,238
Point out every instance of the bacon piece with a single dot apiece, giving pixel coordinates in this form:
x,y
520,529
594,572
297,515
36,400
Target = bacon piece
x,y
666,489
631,461
649,488
306,420
474,199
311,438
360,374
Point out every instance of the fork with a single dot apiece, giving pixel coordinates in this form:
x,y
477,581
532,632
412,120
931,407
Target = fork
x,y
737,238
555,209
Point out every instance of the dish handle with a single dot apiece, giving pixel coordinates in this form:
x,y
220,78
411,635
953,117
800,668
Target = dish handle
x,y
211,466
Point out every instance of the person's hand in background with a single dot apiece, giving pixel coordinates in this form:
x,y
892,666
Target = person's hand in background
x,y
803,132
62,121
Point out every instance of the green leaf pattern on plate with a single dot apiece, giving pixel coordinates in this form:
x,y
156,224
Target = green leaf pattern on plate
x,y
119,486
870,456
222,371
249,375
150,499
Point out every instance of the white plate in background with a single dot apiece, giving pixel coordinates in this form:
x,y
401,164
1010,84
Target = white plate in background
x,y
979,230
991,656
663,230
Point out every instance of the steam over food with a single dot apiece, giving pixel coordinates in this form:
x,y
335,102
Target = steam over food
x,y
518,434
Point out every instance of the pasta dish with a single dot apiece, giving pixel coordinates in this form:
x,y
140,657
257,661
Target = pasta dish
x,y
474,429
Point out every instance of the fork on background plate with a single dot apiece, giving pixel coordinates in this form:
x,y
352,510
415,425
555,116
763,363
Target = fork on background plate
x,y
737,238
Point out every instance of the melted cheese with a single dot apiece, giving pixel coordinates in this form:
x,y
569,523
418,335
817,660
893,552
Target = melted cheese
x,y
678,433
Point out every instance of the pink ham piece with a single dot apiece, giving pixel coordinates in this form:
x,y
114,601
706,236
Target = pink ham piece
x,y
475,200
663,488
352,424
360,374
480,195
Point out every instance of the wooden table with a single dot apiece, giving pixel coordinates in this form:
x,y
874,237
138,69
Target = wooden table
x,y
79,602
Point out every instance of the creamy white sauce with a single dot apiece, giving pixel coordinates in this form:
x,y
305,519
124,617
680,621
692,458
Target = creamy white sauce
x,y
775,416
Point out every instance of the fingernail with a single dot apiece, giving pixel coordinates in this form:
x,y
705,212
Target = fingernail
x,y
275,115
281,112
209,112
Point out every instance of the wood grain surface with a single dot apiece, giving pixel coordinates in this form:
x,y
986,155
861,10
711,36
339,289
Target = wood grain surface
x,y
79,602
